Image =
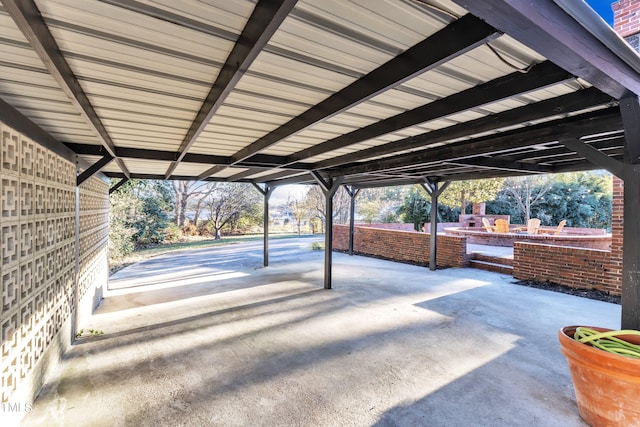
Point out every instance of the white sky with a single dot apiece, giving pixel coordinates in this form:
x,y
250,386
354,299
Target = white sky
x,y
295,192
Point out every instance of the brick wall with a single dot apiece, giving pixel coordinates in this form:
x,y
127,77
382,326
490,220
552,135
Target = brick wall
x,y
617,222
409,227
626,17
593,241
403,246
576,267
390,226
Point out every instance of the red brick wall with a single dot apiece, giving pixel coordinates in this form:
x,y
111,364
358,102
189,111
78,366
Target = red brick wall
x,y
593,241
409,227
575,267
340,238
617,219
403,246
626,17
390,226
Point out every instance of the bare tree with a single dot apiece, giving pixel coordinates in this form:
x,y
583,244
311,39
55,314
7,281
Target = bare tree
x,y
299,211
197,204
315,202
226,202
528,191
184,192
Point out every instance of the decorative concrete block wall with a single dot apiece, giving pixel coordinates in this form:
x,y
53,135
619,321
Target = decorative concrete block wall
x,y
404,246
94,235
40,298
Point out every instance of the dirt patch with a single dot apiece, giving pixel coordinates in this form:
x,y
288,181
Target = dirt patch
x,y
585,293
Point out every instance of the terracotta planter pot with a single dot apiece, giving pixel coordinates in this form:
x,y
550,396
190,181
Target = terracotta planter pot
x,y
607,385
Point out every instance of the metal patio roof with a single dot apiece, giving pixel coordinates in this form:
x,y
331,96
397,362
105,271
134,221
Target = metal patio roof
x,y
380,92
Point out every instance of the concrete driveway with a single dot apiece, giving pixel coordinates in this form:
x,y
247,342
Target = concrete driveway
x,y
209,337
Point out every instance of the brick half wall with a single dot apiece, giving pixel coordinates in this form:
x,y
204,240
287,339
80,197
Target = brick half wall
x,y
402,246
577,267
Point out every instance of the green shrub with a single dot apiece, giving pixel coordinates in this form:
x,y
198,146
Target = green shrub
x,y
172,233
190,230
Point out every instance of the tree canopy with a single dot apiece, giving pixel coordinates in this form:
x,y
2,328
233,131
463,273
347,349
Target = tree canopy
x,y
460,193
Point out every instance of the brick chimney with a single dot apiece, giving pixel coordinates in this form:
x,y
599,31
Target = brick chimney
x,y
626,21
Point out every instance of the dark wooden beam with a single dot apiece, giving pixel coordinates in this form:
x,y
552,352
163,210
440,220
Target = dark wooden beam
x,y
171,178
630,110
631,225
470,176
560,105
211,171
87,149
117,186
577,126
355,183
94,169
27,17
300,179
243,174
272,160
457,38
353,193
268,162
547,29
264,21
21,123
434,190
266,194
329,187
631,249
543,74
595,156
506,165
275,175
534,155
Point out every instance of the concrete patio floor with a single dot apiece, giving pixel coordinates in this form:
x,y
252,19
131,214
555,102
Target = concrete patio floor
x,y
209,337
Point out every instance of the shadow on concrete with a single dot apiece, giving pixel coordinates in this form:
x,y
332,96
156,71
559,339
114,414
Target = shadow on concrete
x,y
159,331
179,276
390,345
495,394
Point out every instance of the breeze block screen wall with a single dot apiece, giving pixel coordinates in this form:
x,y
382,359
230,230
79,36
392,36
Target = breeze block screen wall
x,y
49,273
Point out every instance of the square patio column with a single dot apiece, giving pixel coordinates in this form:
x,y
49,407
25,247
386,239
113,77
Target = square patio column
x,y
266,193
329,188
434,192
353,193
630,110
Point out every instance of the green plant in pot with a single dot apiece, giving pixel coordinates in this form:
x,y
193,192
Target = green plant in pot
x,y
605,369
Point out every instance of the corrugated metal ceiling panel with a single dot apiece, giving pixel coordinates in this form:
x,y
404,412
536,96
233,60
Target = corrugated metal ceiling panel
x,y
226,173
126,66
26,85
147,66
190,169
315,28
476,67
152,167
117,21
534,96
400,24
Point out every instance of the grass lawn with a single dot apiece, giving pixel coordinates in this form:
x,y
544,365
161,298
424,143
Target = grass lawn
x,y
188,243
